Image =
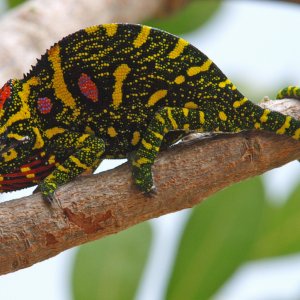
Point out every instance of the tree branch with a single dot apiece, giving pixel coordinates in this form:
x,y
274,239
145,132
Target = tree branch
x,y
95,206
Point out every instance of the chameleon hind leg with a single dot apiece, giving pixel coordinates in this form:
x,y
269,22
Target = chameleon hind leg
x,y
165,120
86,152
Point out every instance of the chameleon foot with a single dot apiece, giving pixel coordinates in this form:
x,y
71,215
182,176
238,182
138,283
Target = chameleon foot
x,y
143,178
48,191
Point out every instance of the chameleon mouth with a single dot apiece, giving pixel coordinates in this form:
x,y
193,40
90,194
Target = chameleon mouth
x,y
9,144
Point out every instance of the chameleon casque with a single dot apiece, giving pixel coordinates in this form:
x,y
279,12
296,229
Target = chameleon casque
x,y
113,91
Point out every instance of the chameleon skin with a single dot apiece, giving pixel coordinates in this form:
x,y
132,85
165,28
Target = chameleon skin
x,y
113,91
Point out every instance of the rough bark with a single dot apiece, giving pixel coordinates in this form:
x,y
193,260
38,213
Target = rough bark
x,y
95,206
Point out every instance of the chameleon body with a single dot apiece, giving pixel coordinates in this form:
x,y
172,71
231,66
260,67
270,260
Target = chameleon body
x,y
112,91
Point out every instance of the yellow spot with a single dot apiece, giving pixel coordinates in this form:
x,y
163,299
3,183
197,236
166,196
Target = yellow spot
x,y
39,142
89,130
78,163
170,117
1,178
202,117
43,154
186,126
238,103
91,29
197,69
185,112
83,138
135,138
286,125
222,84
257,125
297,134
191,104
32,175
142,36
50,133
146,144
156,96
24,111
222,116
51,159
58,82
63,169
25,169
111,29
160,118
143,160
10,155
158,135
181,44
179,79
264,116
111,132
120,75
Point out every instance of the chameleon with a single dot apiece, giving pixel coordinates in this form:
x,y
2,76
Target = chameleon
x,y
117,91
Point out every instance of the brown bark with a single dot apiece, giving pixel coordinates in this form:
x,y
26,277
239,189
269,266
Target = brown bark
x,y
95,206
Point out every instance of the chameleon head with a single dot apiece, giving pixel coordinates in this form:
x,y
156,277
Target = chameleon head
x,y
15,128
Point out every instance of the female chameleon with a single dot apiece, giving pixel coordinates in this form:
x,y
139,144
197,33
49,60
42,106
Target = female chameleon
x,y
111,91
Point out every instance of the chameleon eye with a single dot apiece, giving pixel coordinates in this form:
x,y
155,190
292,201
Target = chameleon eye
x,y
4,94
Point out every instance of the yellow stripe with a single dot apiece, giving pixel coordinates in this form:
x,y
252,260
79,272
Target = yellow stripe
x,y
222,84
25,169
239,103
120,74
264,116
285,126
181,44
202,117
1,178
10,155
91,29
170,117
58,82
50,133
257,125
32,175
39,142
78,163
156,96
146,144
24,111
222,116
62,169
197,69
135,138
111,29
16,136
157,135
191,104
185,111
51,159
142,36
160,118
297,134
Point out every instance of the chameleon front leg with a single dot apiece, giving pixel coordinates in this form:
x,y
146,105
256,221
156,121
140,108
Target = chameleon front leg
x,y
165,120
86,151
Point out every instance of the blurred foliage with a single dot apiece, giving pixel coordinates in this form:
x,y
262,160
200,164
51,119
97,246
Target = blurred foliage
x,y
191,17
13,3
111,268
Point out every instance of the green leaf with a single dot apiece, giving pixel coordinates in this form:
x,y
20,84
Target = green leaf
x,y
192,16
280,229
13,3
216,240
111,268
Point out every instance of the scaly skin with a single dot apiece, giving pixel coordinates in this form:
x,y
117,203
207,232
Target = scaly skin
x,y
114,91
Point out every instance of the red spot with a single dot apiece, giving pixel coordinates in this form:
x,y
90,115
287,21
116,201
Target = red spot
x,y
4,94
87,87
44,105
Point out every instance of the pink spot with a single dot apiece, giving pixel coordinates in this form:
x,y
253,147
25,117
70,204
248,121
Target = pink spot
x,y
44,105
87,87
